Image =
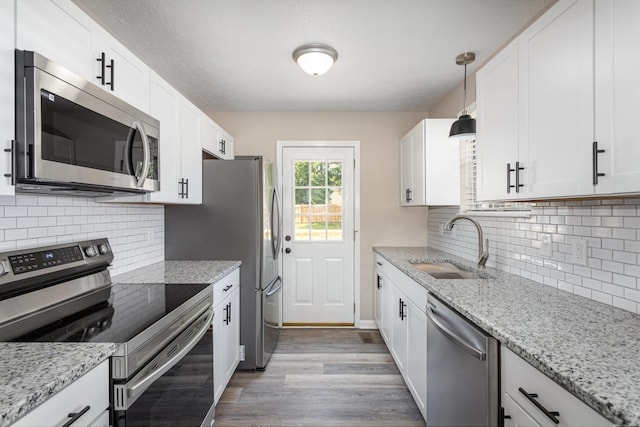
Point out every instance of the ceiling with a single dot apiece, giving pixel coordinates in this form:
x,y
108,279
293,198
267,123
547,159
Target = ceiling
x,y
235,55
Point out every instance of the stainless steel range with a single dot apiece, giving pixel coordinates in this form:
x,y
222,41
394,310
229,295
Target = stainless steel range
x,y
162,370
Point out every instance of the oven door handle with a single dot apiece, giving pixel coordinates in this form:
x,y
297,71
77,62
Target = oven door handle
x,y
139,386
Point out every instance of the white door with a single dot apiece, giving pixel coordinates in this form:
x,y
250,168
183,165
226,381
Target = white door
x,y
318,229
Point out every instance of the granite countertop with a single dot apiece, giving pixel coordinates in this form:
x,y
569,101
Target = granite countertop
x,y
30,373
179,272
589,348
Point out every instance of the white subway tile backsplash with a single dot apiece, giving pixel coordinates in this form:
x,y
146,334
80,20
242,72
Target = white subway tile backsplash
x,y
135,232
611,229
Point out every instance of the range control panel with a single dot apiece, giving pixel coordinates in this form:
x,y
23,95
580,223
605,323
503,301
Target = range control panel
x,y
85,253
42,259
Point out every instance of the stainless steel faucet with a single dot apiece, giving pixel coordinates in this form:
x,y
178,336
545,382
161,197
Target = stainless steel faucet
x,y
483,251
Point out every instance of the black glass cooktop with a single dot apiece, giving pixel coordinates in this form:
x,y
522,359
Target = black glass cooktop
x,y
131,308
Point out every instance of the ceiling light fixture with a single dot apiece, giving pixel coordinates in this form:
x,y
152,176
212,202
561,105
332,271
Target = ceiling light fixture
x,y
314,58
465,126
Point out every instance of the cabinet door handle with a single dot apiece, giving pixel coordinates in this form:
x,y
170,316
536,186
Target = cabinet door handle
x,y
552,415
229,314
594,154
226,315
186,184
181,192
111,67
379,281
518,169
12,153
103,64
76,415
408,195
509,170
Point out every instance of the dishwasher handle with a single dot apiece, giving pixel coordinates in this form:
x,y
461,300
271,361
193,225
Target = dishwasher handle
x,y
478,354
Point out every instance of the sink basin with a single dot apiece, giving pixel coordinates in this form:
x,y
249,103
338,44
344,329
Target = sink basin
x,y
446,270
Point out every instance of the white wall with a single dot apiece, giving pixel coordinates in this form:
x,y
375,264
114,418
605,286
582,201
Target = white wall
x,y
135,232
610,227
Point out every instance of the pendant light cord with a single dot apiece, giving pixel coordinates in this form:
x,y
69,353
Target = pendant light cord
x,y
464,90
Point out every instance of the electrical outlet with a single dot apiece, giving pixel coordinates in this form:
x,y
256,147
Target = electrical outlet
x,y
579,250
545,245
242,353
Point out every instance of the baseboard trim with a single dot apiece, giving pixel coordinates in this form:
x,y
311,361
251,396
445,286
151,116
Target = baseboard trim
x,y
368,324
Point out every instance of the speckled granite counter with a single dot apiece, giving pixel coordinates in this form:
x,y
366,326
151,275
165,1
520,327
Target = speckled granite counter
x,y
30,373
179,272
590,349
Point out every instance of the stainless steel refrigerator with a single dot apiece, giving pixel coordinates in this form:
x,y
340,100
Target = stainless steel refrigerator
x,y
239,219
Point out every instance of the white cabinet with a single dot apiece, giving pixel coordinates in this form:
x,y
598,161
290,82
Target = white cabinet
x,y
215,140
7,89
617,93
429,165
60,31
190,183
555,107
520,409
119,71
556,101
89,394
402,320
226,330
497,127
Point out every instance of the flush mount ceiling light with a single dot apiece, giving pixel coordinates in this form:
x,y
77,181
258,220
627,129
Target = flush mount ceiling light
x,y
465,126
314,58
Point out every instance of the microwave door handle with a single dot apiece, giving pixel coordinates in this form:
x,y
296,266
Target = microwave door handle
x,y
147,155
135,390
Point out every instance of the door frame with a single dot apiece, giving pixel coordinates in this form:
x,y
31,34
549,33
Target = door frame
x,y
355,145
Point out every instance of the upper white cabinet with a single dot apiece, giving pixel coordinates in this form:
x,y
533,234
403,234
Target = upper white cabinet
x,y
429,165
215,140
60,31
556,100
497,127
190,183
119,71
554,107
7,88
532,399
617,93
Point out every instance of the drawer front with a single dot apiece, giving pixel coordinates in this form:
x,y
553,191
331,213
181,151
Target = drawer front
x,y
91,390
518,374
225,286
413,291
381,264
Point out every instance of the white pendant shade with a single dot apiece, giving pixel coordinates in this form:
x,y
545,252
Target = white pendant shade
x,y
315,59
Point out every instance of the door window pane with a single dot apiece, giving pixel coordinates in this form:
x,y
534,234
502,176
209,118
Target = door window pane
x,y
318,201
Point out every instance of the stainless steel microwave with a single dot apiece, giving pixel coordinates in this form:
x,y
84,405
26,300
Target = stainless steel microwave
x,y
74,138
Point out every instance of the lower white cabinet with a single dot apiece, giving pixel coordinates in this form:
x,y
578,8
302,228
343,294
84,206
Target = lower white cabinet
x,y
89,393
530,398
226,331
402,321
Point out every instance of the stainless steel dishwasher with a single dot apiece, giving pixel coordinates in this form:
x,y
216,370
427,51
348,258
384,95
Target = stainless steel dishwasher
x,y
462,370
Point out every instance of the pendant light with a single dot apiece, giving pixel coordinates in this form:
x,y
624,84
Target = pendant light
x,y
314,58
465,126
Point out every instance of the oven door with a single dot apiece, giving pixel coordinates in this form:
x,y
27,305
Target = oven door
x,y
173,389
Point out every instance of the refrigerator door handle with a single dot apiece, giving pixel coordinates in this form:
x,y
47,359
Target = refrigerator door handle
x,y
270,292
276,240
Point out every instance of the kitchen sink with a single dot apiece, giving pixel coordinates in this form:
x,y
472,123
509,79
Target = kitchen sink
x,y
447,270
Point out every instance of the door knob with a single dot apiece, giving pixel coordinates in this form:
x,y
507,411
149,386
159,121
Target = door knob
x,y
287,238
287,250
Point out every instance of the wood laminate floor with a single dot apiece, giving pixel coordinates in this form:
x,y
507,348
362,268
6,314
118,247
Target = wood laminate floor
x,y
321,377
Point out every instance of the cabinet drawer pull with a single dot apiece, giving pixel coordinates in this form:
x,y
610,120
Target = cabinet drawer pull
x,y
76,415
378,262
227,288
552,415
594,154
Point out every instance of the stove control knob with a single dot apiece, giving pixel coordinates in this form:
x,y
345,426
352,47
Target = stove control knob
x,y
103,249
4,268
90,251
